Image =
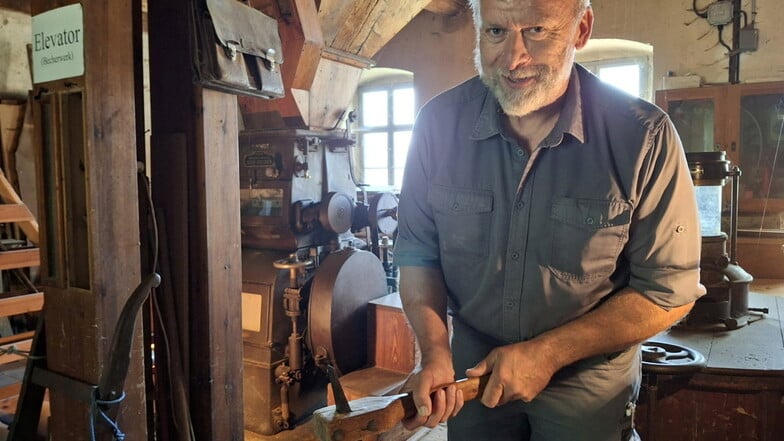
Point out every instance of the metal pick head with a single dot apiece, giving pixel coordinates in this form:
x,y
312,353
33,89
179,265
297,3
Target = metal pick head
x,y
341,402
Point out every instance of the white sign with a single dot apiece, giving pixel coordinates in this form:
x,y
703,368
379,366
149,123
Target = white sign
x,y
58,44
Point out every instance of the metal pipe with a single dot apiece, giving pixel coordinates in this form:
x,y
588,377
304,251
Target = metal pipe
x,y
734,68
734,201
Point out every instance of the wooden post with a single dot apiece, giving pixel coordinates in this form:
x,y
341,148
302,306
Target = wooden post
x,y
90,260
195,179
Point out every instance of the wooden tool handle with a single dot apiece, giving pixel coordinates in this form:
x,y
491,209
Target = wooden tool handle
x,y
373,415
471,387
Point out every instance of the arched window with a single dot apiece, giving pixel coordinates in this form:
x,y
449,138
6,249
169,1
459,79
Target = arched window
x,y
628,65
386,109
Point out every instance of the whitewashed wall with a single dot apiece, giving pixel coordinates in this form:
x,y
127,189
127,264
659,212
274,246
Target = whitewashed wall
x,y
14,36
438,50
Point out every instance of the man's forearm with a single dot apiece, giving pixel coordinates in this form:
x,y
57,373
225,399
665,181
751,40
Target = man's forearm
x,y
423,293
625,319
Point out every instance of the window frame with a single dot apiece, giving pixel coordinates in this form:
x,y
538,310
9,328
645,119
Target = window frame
x,y
644,64
390,128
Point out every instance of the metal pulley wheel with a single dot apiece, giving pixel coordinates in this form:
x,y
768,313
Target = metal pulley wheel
x,y
671,359
383,213
336,212
340,290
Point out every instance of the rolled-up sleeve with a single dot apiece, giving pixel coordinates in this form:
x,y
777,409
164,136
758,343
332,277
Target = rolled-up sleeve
x,y
664,241
417,240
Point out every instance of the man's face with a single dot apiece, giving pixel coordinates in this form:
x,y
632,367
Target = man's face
x,y
525,50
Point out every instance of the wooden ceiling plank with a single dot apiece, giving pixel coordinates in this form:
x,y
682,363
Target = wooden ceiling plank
x,y
395,16
357,25
332,14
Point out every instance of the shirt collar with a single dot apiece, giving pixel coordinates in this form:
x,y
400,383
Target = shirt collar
x,y
570,121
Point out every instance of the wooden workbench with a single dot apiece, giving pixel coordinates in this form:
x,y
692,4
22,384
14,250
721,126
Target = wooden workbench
x,y
737,396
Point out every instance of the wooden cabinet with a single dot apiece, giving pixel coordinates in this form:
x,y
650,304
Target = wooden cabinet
x,y
737,396
746,121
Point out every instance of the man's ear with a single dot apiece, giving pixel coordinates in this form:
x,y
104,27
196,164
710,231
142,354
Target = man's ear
x,y
584,28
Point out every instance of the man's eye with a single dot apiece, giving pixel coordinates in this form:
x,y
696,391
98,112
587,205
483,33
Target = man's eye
x,y
535,32
495,32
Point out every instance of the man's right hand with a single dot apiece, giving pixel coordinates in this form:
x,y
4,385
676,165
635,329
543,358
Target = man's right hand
x,y
434,405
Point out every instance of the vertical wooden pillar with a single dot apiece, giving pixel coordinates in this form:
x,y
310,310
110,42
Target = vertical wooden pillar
x,y
195,179
89,216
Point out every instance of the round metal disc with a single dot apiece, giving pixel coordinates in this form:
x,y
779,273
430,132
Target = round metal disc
x,y
383,213
341,288
336,212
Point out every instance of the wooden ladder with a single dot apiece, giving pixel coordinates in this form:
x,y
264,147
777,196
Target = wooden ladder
x,y
15,255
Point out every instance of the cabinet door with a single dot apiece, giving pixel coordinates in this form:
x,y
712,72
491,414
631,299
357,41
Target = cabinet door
x,y
760,139
699,116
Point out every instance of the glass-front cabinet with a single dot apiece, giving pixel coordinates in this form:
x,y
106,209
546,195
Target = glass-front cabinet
x,y
747,122
697,114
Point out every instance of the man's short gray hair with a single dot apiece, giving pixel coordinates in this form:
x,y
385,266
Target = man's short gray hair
x,y
579,7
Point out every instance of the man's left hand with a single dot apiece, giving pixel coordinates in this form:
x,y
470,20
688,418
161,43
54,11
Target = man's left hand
x,y
518,372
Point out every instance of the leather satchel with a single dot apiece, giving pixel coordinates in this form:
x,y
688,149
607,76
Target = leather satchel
x,y
236,49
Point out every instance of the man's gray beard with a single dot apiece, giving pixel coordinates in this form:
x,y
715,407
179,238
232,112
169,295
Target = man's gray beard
x,y
518,102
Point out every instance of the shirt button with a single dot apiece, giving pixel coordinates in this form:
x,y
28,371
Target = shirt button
x,y
589,220
520,152
680,229
519,205
509,305
455,206
515,255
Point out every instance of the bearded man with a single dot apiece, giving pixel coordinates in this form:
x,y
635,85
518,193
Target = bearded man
x,y
554,218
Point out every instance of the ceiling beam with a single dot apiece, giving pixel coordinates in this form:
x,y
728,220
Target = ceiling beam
x,y
362,28
16,5
447,7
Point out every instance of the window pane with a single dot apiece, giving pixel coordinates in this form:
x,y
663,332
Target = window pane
x,y
374,108
376,176
401,140
403,105
375,152
626,78
398,177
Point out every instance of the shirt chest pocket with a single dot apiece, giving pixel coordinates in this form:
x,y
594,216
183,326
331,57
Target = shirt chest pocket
x,y
587,237
463,218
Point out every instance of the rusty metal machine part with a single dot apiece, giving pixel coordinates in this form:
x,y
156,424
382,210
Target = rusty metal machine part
x,y
339,293
667,358
284,374
306,278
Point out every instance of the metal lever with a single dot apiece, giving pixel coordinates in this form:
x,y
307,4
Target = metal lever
x,y
341,402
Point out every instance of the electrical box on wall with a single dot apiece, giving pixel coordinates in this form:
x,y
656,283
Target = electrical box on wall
x,y
720,13
748,39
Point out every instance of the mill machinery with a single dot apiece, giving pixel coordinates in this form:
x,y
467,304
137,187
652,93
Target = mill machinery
x,y
314,254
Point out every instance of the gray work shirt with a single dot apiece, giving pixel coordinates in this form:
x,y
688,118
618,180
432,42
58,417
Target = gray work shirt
x,y
528,243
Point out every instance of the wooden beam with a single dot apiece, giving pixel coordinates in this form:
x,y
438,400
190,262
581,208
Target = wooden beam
x,y
195,166
92,141
9,196
13,259
362,28
15,213
16,5
447,7
21,304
